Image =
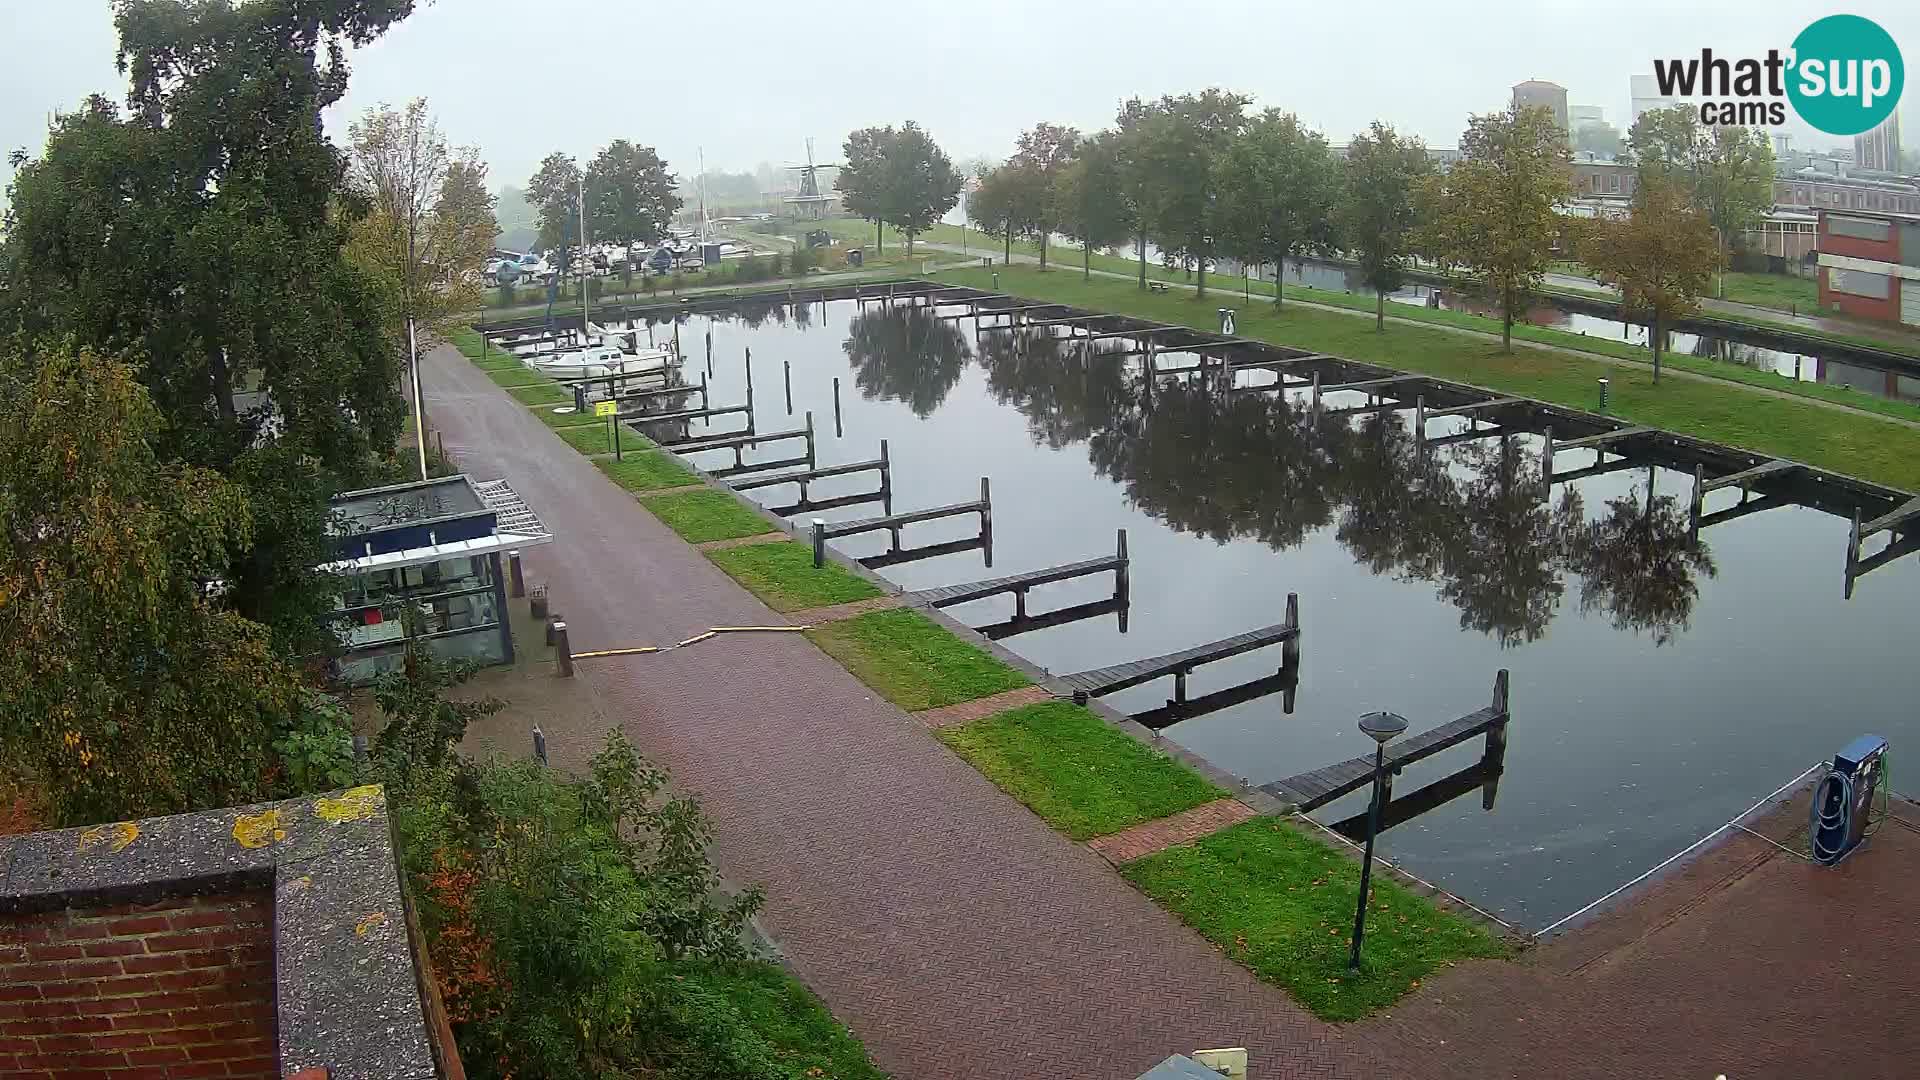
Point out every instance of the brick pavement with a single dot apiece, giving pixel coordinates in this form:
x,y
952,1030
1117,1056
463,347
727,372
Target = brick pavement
x,y
1182,828
961,937
948,926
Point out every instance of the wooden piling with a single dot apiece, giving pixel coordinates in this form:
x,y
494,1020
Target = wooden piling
x,y
1122,580
1316,394
1494,758
1419,419
812,458
886,473
838,431
786,372
986,506
1290,648
1546,456
749,365
1693,505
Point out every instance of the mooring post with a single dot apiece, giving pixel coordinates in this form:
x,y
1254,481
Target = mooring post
x,y
819,543
749,376
1019,603
1122,581
986,506
1316,395
1290,648
539,745
676,341
1494,760
615,421
1853,549
579,397
703,392
1546,456
1179,687
812,461
1419,419
786,372
515,577
886,472
1693,506
838,432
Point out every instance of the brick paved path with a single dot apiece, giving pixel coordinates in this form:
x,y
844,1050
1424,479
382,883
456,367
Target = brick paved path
x,y
954,931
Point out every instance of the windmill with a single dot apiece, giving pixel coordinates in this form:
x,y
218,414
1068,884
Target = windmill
x,y
811,202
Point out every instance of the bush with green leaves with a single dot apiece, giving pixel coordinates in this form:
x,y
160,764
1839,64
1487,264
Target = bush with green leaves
x,y
315,744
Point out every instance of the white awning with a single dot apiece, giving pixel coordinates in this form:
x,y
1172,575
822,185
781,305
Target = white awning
x,y
516,526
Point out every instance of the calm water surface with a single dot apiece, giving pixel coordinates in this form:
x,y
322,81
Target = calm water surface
x,y
1660,685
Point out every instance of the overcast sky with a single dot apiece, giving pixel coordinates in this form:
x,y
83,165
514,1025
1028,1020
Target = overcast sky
x,y
749,81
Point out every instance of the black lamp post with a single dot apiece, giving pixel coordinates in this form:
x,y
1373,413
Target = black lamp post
x,y
1382,728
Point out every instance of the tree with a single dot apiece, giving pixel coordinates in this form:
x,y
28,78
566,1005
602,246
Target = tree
x,y
1493,215
1044,152
126,687
554,192
1172,146
204,234
431,226
1662,257
1278,187
898,177
1380,176
1011,201
1599,138
1091,198
1726,172
630,195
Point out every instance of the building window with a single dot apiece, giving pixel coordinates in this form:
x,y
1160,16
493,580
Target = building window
x,y
1858,228
1858,283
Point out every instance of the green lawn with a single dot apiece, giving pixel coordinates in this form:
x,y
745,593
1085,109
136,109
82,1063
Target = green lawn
x,y
912,661
648,470
589,438
783,576
1857,445
545,394
517,375
700,516
1281,903
1080,774
801,1039
1780,291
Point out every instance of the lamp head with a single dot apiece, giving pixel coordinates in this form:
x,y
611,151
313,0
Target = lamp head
x,y
1383,727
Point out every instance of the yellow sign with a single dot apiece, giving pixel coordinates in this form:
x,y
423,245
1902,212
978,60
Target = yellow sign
x,y
605,408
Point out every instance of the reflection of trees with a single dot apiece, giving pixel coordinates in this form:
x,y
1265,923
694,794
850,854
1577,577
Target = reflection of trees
x,y
1066,391
906,355
1400,504
1503,572
1638,564
1246,466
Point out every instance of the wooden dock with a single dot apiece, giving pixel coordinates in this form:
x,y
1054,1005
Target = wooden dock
x,y
1744,480
893,523
1285,682
1099,682
739,443
1310,790
805,477
1018,584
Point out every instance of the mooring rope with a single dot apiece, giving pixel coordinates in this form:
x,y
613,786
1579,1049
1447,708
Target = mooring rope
x,y
637,650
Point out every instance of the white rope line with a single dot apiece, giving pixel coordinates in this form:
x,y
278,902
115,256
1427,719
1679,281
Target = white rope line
x,y
1768,839
1689,849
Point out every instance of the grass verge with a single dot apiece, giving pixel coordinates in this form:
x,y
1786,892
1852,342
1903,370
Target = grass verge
x,y
1281,903
540,395
1845,442
784,577
700,516
1081,775
912,661
803,1037
649,470
588,438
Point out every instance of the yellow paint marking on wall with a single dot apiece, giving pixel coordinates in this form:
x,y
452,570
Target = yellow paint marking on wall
x,y
116,836
365,926
258,830
353,804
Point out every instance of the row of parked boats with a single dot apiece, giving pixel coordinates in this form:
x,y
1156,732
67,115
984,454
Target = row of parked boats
x,y
591,353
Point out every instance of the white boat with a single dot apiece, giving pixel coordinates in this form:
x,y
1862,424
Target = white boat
x,y
602,359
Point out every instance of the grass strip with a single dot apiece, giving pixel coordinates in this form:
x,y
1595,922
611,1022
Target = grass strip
x,y
517,375
1081,775
800,1038
588,438
783,576
1849,443
1281,903
540,395
912,661
701,516
648,470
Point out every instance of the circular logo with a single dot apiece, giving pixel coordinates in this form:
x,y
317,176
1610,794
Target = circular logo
x,y
1846,76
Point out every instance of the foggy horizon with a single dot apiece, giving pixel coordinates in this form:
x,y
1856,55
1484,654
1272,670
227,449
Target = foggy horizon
x,y
749,84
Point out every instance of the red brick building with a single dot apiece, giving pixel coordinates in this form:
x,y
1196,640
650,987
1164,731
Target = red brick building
x,y
1870,265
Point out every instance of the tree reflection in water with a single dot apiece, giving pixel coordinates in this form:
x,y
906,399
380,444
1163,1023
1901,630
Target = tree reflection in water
x,y
1504,571
907,355
1066,390
1639,563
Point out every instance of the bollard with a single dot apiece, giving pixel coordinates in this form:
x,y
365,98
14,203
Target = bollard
x,y
539,745
1604,385
551,619
819,543
562,651
515,576
996,281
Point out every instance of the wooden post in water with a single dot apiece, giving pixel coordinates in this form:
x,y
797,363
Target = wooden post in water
x,y
838,432
1494,759
1419,420
786,371
1853,551
1546,457
1290,648
986,507
749,375
886,475
1316,395
1693,505
703,392
1122,580
812,462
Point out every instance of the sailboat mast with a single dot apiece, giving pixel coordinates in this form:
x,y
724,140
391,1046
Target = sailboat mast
x,y
585,267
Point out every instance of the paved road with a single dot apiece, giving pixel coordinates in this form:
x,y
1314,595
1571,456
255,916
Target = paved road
x,y
952,929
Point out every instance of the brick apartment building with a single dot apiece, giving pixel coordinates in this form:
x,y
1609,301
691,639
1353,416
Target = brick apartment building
x,y
1870,265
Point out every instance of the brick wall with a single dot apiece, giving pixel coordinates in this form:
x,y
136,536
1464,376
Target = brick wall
x,y
1861,307
176,989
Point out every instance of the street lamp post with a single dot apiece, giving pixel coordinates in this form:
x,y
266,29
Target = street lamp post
x,y
1382,728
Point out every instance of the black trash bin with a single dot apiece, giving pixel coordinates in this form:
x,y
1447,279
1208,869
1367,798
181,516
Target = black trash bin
x,y
854,256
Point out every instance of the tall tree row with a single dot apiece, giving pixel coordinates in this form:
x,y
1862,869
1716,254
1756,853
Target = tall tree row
x,y
898,177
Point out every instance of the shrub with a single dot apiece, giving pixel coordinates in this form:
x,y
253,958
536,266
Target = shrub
x,y
506,294
775,267
315,744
